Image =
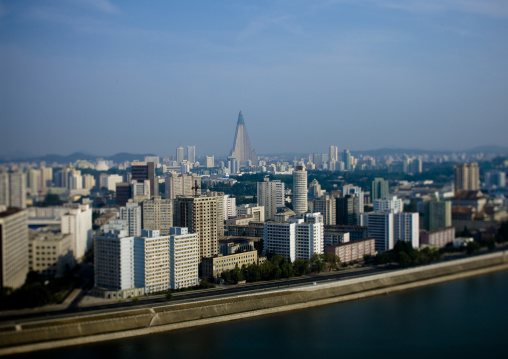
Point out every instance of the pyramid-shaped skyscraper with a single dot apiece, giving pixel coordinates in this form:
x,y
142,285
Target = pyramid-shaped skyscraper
x,y
241,150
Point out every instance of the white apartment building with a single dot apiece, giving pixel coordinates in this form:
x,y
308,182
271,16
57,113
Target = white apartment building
x,y
296,238
151,262
184,258
270,195
13,247
281,239
309,236
229,207
210,161
132,214
407,228
389,227
114,260
78,221
389,203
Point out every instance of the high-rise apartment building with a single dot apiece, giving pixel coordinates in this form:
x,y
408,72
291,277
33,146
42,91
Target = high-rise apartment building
x,y
34,181
467,177
327,206
221,208
180,156
123,193
158,214
191,154
229,207
437,214
296,238
380,226
200,215
210,161
142,171
181,185
346,158
356,192
13,247
151,262
300,190
5,193
47,177
391,203
183,258
334,153
270,195
347,210
131,213
17,189
389,227
242,150
78,221
380,188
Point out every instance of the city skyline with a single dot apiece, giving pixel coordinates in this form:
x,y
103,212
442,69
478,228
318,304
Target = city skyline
x,y
105,77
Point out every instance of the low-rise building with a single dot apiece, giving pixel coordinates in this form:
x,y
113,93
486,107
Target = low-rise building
x,y
438,237
50,254
212,267
354,250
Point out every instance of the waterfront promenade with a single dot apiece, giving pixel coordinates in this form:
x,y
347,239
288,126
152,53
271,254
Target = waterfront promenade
x,y
106,326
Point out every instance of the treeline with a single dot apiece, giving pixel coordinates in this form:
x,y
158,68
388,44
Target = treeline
x,y
37,292
276,267
406,256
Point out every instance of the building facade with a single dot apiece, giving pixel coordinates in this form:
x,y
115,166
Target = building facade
x,y
158,214
200,215
353,251
270,195
300,190
14,247
467,177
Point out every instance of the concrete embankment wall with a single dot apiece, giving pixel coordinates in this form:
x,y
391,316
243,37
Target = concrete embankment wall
x,y
90,328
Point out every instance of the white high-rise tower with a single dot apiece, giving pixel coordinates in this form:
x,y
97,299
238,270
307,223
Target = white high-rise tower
x,y
300,190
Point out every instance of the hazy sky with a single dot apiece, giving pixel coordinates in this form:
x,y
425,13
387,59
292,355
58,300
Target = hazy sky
x,y
132,76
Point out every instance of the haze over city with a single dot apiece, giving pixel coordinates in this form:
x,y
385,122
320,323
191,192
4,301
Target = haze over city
x,y
105,76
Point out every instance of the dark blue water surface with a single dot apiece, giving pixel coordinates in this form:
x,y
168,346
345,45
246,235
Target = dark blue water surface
x,y
460,319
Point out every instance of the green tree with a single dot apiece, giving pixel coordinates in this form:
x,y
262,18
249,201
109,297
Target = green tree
x,y
502,233
317,263
472,247
135,300
404,259
332,260
301,266
236,275
169,296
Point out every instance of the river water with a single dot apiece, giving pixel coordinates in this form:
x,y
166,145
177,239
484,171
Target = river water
x,y
465,318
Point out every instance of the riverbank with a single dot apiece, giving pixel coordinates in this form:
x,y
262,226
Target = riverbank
x,y
92,328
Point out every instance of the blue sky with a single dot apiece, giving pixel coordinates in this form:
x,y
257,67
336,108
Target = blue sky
x,y
126,76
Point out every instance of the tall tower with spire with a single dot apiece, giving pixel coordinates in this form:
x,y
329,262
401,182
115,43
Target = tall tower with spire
x,y
241,150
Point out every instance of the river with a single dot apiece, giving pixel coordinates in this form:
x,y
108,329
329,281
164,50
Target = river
x,y
465,318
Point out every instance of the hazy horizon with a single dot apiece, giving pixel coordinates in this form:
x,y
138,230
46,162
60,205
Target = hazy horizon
x,y
104,77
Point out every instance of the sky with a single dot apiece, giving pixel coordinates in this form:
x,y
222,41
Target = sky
x,y
104,76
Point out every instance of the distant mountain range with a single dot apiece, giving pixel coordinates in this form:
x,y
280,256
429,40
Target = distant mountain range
x,y
124,156
119,157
